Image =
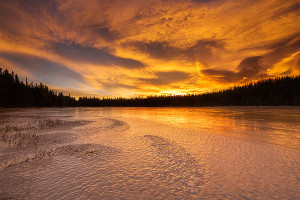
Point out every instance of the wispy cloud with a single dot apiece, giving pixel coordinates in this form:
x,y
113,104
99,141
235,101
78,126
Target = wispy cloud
x,y
136,47
249,68
54,73
85,54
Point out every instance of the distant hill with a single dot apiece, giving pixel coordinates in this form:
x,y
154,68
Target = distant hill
x,y
282,91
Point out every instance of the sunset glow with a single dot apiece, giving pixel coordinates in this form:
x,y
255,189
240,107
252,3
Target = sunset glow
x,y
149,47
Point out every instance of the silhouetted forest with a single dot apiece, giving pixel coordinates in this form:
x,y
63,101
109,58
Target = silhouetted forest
x,y
16,93
283,91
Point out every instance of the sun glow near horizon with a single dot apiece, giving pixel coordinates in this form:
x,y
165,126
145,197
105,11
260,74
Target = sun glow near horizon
x,y
143,48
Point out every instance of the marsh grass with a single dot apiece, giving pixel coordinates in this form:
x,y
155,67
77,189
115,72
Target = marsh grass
x,y
10,128
3,121
40,154
25,135
51,123
27,138
37,155
39,124
20,139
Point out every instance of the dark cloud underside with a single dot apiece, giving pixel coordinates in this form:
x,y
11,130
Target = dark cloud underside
x,y
149,46
248,68
203,1
44,70
110,84
295,8
165,78
84,54
202,50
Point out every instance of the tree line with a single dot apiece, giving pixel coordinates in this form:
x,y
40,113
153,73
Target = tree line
x,y
16,93
281,91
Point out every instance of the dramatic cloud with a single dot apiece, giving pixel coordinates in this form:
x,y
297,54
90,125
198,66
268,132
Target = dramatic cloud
x,y
283,49
166,78
250,68
202,1
203,50
104,32
83,54
53,73
287,10
145,47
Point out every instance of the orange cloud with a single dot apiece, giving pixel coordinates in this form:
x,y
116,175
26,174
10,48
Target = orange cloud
x,y
145,47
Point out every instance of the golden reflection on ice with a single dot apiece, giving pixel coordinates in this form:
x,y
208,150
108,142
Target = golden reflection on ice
x,y
150,153
271,125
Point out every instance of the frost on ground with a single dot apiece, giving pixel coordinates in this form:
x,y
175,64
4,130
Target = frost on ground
x,y
149,153
33,143
25,138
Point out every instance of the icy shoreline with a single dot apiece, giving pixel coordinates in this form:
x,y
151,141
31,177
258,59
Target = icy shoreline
x,y
110,154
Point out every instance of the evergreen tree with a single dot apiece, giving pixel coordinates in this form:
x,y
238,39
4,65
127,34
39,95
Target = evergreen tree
x,y
282,91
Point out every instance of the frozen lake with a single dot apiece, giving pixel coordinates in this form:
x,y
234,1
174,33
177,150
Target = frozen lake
x,y
150,153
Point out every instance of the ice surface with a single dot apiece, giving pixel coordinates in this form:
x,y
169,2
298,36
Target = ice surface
x,y
150,153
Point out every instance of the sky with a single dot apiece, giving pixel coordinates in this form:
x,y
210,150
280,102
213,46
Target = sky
x,y
131,48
